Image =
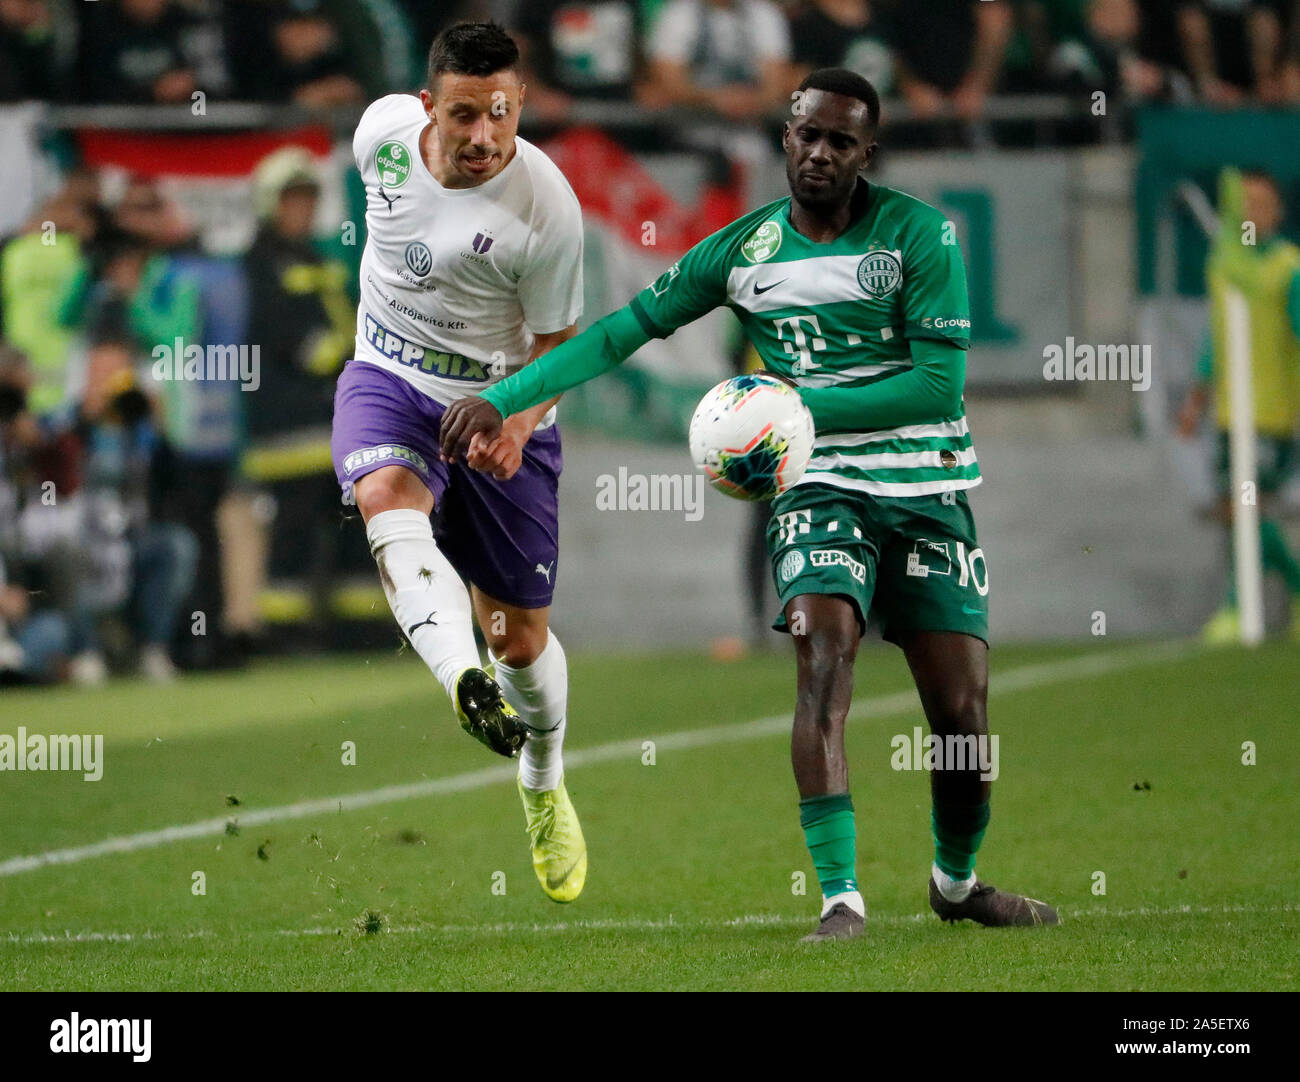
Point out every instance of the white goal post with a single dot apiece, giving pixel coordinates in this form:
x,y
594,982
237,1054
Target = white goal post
x,y
1248,565
1243,468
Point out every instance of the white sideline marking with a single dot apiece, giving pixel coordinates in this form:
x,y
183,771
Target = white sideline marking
x,y
668,923
102,937
1025,677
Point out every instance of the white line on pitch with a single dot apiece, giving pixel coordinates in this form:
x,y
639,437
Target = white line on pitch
x,y
1020,679
770,919
668,923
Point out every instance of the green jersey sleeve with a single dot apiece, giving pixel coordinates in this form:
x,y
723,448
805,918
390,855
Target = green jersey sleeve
x,y
692,287
935,301
930,390
605,344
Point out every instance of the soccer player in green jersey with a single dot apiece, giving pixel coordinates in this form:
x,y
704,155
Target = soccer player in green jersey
x,y
857,295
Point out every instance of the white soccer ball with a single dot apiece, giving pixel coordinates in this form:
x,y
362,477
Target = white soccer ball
x,y
752,436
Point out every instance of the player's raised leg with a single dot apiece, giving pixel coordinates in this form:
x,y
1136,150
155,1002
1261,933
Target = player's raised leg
x,y
826,634
951,674
430,602
530,667
383,452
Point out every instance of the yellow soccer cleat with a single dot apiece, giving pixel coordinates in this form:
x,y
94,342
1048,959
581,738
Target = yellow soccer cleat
x,y
559,849
1223,628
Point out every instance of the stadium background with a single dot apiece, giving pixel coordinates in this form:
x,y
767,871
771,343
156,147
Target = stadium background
x,y
257,828
1065,205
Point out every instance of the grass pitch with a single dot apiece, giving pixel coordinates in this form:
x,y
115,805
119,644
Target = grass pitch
x,y
1124,760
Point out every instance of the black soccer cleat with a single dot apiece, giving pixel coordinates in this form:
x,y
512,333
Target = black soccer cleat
x,y
484,713
993,908
840,923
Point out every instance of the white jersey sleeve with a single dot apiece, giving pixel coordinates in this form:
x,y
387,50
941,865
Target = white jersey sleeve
x,y
550,287
380,117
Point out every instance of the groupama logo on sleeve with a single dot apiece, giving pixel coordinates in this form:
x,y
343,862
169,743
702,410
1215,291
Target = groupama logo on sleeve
x,y
955,323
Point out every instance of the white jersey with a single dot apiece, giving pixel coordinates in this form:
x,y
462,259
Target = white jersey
x,y
455,282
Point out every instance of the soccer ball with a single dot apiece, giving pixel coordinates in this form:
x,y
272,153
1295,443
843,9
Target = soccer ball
x,y
752,436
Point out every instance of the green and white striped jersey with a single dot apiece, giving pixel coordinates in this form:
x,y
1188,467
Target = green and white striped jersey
x,y
839,315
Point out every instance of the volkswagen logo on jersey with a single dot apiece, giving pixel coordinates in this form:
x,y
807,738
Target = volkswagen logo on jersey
x,y
879,273
419,258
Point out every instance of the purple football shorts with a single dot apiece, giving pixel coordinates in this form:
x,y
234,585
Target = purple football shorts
x,y
503,536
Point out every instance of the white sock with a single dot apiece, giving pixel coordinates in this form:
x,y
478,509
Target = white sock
x,y
540,692
851,898
954,890
426,595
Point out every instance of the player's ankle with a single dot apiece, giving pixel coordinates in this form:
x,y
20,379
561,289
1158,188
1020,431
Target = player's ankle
x,y
851,898
953,889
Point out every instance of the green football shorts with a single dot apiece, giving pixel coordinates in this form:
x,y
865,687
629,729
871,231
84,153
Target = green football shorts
x,y
912,560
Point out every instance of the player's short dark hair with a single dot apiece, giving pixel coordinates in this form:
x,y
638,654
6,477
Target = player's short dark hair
x,y
472,49
848,83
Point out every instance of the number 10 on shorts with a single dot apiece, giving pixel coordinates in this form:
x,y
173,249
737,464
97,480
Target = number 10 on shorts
x,y
967,571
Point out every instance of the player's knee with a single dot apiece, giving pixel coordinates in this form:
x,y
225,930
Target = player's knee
x,y
517,647
825,650
389,491
962,709
825,679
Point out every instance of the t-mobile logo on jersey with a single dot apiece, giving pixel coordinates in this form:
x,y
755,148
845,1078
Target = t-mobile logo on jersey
x,y
803,346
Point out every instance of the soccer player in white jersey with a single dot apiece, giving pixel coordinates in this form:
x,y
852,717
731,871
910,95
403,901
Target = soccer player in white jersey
x,y
472,268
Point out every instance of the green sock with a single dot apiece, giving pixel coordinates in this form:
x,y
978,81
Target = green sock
x,y
958,830
1275,556
831,837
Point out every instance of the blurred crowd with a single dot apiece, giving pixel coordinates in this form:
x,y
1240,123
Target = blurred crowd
x,y
146,502
152,514
737,57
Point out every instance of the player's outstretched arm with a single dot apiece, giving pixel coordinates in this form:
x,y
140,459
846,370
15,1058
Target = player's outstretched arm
x,y
502,457
606,343
929,391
